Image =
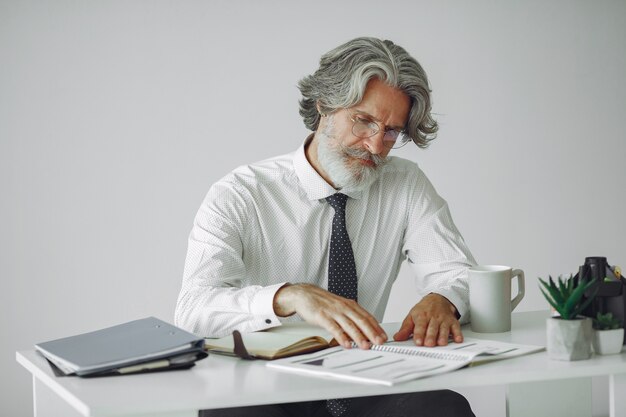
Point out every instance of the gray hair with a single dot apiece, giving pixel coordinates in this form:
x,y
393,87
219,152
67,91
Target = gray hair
x,y
344,72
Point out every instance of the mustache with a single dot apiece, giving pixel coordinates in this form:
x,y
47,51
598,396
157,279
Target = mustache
x,y
363,154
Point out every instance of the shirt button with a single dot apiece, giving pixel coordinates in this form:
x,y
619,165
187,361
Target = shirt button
x,y
268,321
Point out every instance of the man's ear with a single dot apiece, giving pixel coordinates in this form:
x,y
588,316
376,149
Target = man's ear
x,y
319,109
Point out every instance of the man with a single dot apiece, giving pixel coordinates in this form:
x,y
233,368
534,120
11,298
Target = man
x,y
319,234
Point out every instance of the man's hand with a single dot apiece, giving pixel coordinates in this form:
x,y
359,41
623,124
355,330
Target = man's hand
x,y
431,321
345,319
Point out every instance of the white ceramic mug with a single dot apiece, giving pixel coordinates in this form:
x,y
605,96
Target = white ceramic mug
x,y
490,297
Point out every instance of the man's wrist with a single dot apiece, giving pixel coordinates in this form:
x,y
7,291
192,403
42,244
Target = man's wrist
x,y
283,301
453,308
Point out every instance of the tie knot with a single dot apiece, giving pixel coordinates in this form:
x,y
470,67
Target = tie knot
x,y
337,201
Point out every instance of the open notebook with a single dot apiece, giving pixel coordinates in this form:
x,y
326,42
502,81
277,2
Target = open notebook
x,y
278,342
396,362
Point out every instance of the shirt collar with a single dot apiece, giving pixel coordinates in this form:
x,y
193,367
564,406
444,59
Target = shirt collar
x,y
315,187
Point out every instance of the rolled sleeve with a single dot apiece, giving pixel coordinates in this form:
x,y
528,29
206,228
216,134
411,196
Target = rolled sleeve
x,y
436,251
218,295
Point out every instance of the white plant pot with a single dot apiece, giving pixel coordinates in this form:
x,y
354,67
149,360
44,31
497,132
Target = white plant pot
x,y
569,340
608,342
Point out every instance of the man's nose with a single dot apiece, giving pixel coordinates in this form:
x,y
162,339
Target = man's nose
x,y
374,144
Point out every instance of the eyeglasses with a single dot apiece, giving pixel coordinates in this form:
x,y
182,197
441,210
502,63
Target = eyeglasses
x,y
365,127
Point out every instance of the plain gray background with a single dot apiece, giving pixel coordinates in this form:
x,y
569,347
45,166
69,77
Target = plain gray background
x,y
116,117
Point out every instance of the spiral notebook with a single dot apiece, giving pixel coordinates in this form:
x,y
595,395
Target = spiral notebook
x,y
396,362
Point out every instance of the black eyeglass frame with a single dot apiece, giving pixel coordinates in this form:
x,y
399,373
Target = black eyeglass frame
x,y
401,135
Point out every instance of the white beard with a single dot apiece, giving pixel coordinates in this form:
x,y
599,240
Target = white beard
x,y
334,159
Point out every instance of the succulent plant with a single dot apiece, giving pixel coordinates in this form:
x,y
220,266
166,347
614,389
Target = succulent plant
x,y
606,322
567,296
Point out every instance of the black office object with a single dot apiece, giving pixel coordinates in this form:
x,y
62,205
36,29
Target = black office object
x,y
611,289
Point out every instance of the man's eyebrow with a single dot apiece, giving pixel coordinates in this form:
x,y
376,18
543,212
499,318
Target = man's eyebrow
x,y
364,113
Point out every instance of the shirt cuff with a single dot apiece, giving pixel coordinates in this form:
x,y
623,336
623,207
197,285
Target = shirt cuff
x,y
262,307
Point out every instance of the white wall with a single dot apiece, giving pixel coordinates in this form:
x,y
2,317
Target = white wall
x,y
115,118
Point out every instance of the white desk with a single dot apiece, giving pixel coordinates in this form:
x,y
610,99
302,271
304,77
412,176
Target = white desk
x,y
536,385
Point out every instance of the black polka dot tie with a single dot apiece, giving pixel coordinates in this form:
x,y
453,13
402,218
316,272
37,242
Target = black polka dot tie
x,y
341,267
342,278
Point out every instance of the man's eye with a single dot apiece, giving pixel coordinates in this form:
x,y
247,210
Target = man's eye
x,y
367,122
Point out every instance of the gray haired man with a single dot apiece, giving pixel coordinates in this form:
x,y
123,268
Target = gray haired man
x,y
319,234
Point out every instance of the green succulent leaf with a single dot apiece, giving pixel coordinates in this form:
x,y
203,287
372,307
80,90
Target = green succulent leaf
x,y
573,301
552,303
564,288
606,322
589,299
555,295
552,284
567,296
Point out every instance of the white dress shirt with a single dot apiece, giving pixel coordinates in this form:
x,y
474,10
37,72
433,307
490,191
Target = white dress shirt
x,y
268,223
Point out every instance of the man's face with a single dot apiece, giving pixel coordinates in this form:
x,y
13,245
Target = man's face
x,y
351,162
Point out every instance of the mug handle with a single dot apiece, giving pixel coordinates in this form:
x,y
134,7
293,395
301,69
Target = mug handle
x,y
520,287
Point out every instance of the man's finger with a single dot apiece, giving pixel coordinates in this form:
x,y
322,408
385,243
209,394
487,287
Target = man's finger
x,y
368,325
420,330
455,329
432,331
338,334
406,329
444,334
353,331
